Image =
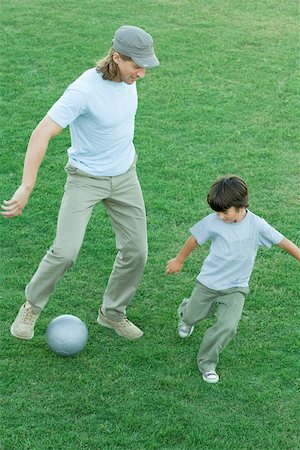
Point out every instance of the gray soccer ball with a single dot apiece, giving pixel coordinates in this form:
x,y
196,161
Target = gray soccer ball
x,y
66,335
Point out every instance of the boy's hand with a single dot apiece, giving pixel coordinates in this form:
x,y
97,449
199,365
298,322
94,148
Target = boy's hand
x,y
173,266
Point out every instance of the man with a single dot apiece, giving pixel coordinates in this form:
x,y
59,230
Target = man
x,y
100,108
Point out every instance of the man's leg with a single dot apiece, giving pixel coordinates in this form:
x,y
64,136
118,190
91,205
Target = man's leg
x,y
126,209
75,211
231,303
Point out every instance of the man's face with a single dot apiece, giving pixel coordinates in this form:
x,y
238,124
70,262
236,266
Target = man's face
x,y
232,214
129,71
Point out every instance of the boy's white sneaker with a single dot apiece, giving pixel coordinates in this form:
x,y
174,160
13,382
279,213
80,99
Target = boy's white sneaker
x,y
210,376
23,326
184,330
123,328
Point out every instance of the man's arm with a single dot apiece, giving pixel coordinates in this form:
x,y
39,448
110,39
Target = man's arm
x,y
175,265
37,146
290,248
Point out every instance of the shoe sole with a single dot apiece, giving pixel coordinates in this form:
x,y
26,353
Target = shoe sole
x,y
20,336
106,325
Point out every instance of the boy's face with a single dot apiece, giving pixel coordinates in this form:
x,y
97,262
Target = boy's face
x,y
232,214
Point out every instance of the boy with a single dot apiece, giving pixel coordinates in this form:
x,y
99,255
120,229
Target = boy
x,y
236,233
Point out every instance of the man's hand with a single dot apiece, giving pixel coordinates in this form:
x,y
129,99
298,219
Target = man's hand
x,y
14,206
173,266
35,153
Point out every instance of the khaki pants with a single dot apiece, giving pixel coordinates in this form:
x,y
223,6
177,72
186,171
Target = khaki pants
x,y
203,303
122,197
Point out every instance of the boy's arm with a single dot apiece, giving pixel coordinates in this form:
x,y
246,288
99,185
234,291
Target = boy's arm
x,y
290,248
175,265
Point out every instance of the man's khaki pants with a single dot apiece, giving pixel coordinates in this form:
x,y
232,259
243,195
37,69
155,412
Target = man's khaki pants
x,y
203,303
122,197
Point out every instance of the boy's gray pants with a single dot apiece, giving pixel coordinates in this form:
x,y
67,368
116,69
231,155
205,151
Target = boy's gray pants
x,y
122,197
202,304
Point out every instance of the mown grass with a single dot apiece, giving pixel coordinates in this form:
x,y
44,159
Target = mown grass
x,y
224,100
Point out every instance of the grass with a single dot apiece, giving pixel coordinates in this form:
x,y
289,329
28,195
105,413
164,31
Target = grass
x,y
224,100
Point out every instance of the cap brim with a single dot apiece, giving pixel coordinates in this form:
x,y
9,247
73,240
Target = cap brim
x,y
147,63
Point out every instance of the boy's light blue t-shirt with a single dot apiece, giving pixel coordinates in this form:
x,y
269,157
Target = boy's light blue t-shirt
x,y
101,116
233,249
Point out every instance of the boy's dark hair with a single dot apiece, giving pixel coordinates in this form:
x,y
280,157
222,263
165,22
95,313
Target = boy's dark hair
x,y
227,192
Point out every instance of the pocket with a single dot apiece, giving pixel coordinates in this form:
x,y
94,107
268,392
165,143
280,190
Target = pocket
x,y
243,249
238,250
71,170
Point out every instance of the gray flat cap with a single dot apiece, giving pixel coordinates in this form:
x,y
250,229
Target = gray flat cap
x,y
136,44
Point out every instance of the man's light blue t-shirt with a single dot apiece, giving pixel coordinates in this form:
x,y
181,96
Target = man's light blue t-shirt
x,y
101,116
233,249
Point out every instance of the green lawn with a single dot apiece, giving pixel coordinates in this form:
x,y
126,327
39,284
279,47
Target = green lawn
x,y
224,100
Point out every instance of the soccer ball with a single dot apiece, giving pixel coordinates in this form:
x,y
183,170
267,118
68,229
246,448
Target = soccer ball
x,y
66,335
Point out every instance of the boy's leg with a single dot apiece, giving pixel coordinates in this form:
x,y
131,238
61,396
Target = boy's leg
x,y
231,303
126,209
199,306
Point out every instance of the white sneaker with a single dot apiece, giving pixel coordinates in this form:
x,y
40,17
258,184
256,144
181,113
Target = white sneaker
x,y
123,328
23,326
210,376
184,330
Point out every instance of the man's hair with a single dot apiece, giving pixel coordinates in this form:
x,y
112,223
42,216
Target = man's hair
x,y
108,68
227,192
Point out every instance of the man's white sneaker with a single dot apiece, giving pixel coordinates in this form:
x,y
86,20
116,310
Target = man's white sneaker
x,y
184,330
23,326
123,328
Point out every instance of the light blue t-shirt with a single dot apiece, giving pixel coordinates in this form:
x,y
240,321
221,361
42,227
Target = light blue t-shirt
x,y
233,249
101,116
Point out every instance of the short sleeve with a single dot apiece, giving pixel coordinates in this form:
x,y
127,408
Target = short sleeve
x,y
268,235
69,106
201,231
